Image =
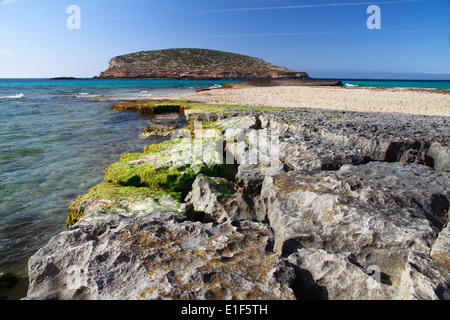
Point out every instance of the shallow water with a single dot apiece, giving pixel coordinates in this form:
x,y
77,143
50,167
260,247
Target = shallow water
x,y
53,151
54,146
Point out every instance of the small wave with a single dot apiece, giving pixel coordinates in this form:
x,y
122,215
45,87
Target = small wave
x,y
350,85
16,96
88,95
145,93
215,86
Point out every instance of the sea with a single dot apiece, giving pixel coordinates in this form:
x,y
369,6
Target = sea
x,y
58,136
427,84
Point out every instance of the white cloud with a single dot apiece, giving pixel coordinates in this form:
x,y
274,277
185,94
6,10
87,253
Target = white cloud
x,y
437,72
341,4
315,33
5,52
25,34
5,2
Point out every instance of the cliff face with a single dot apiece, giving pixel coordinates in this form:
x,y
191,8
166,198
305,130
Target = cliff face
x,y
195,64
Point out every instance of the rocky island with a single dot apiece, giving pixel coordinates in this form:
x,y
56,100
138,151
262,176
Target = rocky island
x,y
195,64
262,203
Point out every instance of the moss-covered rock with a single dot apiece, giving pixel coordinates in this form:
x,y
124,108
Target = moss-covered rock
x,y
162,171
151,106
108,198
221,200
192,110
171,165
158,130
138,182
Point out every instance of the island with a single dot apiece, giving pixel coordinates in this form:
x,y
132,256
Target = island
x,y
195,64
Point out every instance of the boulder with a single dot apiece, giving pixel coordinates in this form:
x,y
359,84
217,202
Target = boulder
x,y
424,279
378,211
441,248
120,258
171,165
323,275
159,130
108,198
223,201
441,156
379,136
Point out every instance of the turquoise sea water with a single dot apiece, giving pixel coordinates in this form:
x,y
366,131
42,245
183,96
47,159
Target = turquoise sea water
x,y
55,143
432,84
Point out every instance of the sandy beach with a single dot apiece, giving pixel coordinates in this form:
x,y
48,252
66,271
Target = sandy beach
x,y
403,100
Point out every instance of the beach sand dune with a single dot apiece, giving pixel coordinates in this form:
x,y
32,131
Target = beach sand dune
x,y
403,100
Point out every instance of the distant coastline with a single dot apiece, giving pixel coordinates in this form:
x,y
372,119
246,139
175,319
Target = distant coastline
x,y
69,78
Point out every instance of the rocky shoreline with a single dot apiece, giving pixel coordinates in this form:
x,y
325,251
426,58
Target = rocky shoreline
x,y
262,203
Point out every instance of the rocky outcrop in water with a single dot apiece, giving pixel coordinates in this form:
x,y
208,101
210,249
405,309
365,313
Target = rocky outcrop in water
x,y
291,204
195,64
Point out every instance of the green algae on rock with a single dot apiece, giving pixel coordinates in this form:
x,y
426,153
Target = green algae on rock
x,y
163,171
159,130
149,107
108,198
192,110
170,165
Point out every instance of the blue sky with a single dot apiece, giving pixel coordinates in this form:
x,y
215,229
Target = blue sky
x,y
323,38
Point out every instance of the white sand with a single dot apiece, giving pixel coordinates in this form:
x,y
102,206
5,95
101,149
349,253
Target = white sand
x,y
413,101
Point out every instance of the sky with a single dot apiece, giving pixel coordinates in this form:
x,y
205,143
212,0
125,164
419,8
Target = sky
x,y
327,39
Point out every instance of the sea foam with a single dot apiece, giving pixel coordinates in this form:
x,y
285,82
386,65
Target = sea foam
x,y
16,96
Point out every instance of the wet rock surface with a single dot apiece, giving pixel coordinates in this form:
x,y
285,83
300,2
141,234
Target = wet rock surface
x,y
307,204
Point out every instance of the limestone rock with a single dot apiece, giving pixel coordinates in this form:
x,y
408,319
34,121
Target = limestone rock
x,y
159,130
322,275
236,128
221,201
441,156
441,248
424,279
121,258
378,211
305,208
171,165
136,202
379,136
199,115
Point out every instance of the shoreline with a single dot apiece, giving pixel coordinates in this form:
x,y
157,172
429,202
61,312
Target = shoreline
x,y
162,227
433,102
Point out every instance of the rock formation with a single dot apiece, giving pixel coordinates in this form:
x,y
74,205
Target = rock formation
x,y
253,204
194,64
